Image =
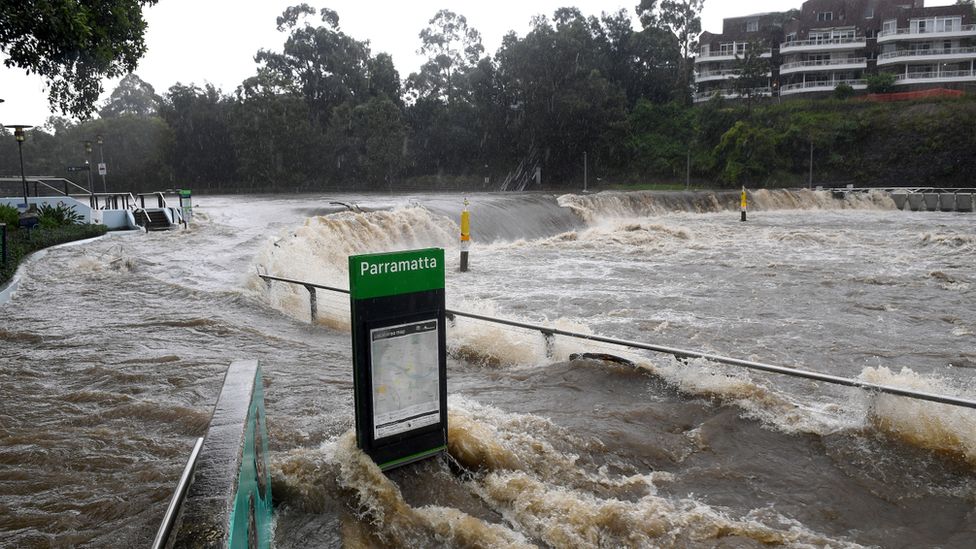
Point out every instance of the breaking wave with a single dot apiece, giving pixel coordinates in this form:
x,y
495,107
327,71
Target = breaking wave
x,y
527,471
598,207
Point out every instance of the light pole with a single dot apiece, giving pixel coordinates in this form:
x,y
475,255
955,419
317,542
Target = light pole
x,y
101,161
584,171
88,150
20,136
810,179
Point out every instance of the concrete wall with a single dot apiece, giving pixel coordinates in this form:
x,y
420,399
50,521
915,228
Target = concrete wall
x,y
228,503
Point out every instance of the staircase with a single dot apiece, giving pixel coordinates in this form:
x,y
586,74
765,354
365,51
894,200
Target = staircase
x,y
153,220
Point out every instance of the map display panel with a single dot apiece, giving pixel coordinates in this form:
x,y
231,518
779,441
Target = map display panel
x,y
406,379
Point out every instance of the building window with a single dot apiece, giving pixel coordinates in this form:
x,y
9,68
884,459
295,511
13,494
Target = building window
x,y
825,16
791,37
889,26
727,49
948,24
752,26
820,37
869,13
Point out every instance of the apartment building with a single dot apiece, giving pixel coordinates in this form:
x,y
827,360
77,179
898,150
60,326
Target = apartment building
x,y
831,42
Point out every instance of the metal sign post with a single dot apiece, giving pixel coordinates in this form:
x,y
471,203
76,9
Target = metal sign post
x,y
399,355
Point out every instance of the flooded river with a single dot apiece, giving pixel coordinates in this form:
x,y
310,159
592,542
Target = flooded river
x,y
112,353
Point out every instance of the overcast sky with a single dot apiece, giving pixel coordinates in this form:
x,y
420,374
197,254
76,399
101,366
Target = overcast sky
x,y
215,40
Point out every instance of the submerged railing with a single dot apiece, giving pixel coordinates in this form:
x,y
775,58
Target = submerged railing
x,y
169,519
549,334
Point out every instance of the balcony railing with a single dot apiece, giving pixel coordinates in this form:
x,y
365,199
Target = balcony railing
x,y
712,75
945,52
727,55
935,75
821,85
732,94
819,63
960,30
853,42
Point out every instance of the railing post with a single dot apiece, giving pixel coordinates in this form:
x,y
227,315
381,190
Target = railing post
x,y
3,244
313,302
550,339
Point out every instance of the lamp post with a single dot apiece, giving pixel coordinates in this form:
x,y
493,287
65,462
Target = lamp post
x,y
20,136
584,172
88,150
101,161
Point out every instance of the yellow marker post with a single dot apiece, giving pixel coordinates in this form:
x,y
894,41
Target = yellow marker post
x,y
744,203
465,236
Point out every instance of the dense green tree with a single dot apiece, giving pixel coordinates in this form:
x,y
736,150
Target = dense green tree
x,y
882,82
133,96
203,145
747,154
753,72
661,137
452,48
319,63
367,144
73,45
683,18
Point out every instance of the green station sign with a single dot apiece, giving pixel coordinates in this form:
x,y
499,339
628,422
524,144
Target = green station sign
x,y
399,355
380,275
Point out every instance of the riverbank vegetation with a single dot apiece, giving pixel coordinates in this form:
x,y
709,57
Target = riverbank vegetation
x,y
56,225
325,112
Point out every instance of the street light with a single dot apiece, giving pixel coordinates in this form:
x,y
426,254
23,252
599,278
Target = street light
x,y
20,136
101,162
88,151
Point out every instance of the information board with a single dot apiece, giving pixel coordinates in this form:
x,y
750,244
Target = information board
x,y
399,356
406,380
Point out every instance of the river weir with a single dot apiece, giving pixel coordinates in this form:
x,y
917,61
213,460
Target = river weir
x,y
112,354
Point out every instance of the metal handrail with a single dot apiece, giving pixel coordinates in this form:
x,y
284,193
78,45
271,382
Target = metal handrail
x,y
924,53
822,42
169,519
685,354
915,30
823,63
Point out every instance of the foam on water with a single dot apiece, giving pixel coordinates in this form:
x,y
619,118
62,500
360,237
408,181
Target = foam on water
x,y
596,207
318,252
938,427
528,471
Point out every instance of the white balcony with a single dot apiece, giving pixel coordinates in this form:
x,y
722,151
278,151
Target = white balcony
x,y
823,44
935,77
821,65
962,31
732,94
717,56
927,56
820,86
709,76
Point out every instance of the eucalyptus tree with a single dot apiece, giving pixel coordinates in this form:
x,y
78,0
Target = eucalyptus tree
x,y
452,48
683,18
367,142
133,96
319,63
564,105
73,45
203,142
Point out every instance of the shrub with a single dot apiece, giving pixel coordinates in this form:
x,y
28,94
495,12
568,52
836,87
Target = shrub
x,y
883,82
9,215
20,243
843,91
58,216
